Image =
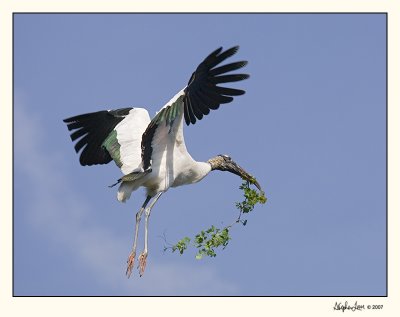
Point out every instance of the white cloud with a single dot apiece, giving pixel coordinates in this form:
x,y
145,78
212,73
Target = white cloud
x,y
62,214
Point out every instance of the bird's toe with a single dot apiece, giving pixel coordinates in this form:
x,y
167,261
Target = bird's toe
x,y
130,261
142,263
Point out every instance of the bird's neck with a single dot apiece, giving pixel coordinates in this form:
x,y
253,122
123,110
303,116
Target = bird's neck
x,y
201,170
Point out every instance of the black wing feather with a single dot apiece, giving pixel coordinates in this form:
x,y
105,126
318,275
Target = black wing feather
x,y
202,104
202,93
229,91
186,106
212,62
92,129
227,68
228,78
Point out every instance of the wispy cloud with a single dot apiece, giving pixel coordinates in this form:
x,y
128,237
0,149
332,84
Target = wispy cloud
x,y
89,243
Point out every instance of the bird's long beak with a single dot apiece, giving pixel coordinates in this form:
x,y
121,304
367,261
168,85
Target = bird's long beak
x,y
238,170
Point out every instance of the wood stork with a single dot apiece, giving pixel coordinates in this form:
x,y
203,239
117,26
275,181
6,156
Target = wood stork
x,y
152,153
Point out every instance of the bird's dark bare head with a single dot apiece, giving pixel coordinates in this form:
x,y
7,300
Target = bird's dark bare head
x,y
223,162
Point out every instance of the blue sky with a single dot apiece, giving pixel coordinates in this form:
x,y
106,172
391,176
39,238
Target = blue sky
x,y
311,128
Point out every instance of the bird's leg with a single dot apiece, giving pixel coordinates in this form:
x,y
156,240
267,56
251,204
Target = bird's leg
x,y
143,255
131,258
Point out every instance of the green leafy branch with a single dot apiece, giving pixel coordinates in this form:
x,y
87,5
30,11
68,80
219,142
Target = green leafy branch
x,y
208,240
252,197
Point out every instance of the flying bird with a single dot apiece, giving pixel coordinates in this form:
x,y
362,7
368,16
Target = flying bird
x,y
152,153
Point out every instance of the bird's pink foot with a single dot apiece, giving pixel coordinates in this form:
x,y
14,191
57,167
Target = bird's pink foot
x,y
142,263
130,261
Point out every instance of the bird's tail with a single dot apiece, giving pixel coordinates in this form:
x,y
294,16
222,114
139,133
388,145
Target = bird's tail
x,y
129,183
125,190
131,177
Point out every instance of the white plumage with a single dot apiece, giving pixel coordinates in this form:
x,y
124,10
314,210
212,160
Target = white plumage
x,y
129,136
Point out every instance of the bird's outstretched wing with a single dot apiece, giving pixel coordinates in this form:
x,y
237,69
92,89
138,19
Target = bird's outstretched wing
x,y
110,135
201,95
